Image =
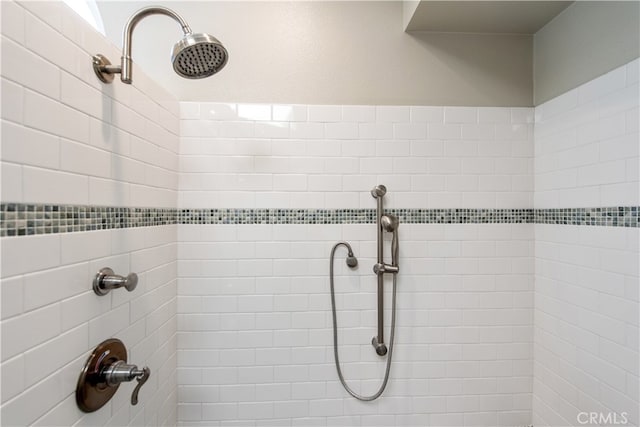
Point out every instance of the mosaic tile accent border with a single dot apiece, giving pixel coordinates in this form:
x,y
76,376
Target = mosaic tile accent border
x,y
352,216
18,219
621,216
276,216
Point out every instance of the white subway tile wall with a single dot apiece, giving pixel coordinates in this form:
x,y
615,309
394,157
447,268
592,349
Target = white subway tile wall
x,y
586,323
586,278
69,139
255,337
243,311
586,144
319,156
254,319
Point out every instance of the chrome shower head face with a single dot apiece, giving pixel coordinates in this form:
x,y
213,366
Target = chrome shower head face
x,y
194,57
198,55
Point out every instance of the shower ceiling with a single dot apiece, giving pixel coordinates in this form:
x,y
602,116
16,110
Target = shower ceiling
x,y
498,17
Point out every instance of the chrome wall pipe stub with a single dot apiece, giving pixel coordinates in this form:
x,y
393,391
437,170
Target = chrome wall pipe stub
x,y
106,280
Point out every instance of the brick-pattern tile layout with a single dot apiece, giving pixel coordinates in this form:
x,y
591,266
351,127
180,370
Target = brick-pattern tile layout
x,y
78,157
586,278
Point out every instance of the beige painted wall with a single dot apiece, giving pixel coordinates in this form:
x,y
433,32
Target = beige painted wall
x,y
586,40
331,52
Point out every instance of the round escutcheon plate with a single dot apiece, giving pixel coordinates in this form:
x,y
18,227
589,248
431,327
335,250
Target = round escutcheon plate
x,y
92,391
99,64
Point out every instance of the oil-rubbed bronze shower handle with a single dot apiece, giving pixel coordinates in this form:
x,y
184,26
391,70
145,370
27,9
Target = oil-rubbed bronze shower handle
x,y
104,371
120,372
106,280
146,372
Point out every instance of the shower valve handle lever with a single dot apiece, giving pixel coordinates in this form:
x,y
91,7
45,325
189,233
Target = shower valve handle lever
x,y
105,280
141,380
119,372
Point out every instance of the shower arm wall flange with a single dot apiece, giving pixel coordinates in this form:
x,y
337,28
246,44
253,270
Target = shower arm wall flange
x,y
102,66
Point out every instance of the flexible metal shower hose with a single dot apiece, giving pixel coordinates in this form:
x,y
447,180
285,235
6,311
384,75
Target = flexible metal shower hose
x,y
335,334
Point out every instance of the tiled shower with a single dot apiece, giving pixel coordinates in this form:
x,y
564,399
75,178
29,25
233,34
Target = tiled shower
x,y
518,291
257,344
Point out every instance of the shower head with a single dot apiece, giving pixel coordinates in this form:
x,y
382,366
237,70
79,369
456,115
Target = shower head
x,y
352,261
198,55
194,57
389,222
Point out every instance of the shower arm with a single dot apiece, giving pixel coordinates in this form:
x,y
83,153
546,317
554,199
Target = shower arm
x,y
103,67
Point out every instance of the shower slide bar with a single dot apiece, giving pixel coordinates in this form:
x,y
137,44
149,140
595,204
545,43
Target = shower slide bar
x,y
388,223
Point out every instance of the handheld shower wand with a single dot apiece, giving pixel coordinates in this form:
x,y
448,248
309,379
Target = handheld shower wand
x,y
389,223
